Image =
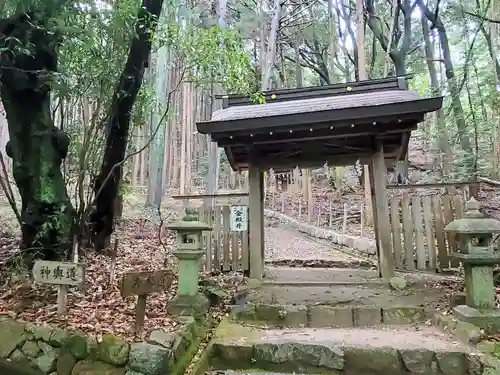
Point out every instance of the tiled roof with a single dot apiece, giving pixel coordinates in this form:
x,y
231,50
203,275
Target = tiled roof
x,y
270,109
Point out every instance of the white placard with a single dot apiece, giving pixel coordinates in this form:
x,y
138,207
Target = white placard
x,y
239,218
58,273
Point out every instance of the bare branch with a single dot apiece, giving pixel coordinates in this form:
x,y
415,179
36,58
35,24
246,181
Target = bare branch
x,y
6,187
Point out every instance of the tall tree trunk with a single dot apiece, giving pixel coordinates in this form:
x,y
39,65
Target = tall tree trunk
x,y
36,146
214,150
397,55
332,45
362,76
162,76
456,103
444,144
270,55
488,36
107,184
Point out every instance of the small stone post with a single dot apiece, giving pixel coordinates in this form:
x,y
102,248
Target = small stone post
x,y
478,257
189,252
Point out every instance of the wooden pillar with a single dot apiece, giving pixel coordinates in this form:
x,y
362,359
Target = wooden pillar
x,y
374,216
256,221
381,212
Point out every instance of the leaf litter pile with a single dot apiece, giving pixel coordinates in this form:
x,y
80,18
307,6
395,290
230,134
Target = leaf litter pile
x,y
98,307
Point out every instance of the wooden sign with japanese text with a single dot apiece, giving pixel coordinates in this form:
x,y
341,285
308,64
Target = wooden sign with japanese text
x,y
141,284
145,282
58,273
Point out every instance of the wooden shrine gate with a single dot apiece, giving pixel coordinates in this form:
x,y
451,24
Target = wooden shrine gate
x,y
226,250
417,228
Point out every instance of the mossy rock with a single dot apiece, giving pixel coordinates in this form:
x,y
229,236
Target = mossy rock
x,y
113,350
305,354
77,345
46,348
96,368
12,334
57,337
41,332
18,367
149,359
31,349
65,363
376,360
18,356
47,362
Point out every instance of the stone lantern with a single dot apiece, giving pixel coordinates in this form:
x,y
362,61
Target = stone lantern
x,y
189,252
478,258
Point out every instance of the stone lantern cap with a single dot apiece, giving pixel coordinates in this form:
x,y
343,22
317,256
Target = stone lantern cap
x,y
189,223
473,221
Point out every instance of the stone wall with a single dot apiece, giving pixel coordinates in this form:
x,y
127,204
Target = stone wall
x,y
29,349
363,245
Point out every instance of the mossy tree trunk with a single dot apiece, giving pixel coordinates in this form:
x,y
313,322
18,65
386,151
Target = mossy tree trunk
x,y
27,64
107,184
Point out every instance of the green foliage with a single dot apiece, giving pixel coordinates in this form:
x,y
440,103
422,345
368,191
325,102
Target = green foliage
x,y
95,44
258,98
211,55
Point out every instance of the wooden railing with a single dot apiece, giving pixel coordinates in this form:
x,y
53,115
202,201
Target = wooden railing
x,y
418,237
226,250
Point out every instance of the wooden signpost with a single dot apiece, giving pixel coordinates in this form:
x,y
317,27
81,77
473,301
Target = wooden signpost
x,y
141,284
62,274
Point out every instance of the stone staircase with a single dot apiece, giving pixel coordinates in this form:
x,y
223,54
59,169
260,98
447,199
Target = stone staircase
x,y
244,348
274,339
343,322
388,350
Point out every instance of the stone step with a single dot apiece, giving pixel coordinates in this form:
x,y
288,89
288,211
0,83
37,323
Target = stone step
x,y
322,316
257,372
390,350
231,372
340,287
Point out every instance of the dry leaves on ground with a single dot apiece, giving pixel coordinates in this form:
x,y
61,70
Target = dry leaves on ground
x,y
98,307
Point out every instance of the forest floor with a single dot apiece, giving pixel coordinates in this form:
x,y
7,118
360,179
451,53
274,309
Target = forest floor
x,y
99,308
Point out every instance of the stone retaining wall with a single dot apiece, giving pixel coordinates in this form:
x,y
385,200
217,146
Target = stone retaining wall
x,y
363,245
58,352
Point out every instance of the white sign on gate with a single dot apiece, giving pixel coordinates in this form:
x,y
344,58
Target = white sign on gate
x,y
239,218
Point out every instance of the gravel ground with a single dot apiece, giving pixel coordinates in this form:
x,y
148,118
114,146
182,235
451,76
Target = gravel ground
x,y
283,243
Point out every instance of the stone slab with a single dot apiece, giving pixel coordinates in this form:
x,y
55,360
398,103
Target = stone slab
x,y
465,332
282,315
328,316
486,319
404,315
400,337
365,316
317,276
351,350
353,287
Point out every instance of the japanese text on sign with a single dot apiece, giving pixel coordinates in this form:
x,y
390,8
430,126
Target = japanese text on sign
x,y
239,218
58,273
146,282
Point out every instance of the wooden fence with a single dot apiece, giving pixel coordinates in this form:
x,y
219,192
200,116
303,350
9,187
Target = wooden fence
x,y
418,237
226,250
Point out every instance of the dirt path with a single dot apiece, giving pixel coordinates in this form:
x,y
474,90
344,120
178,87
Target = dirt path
x,y
286,244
